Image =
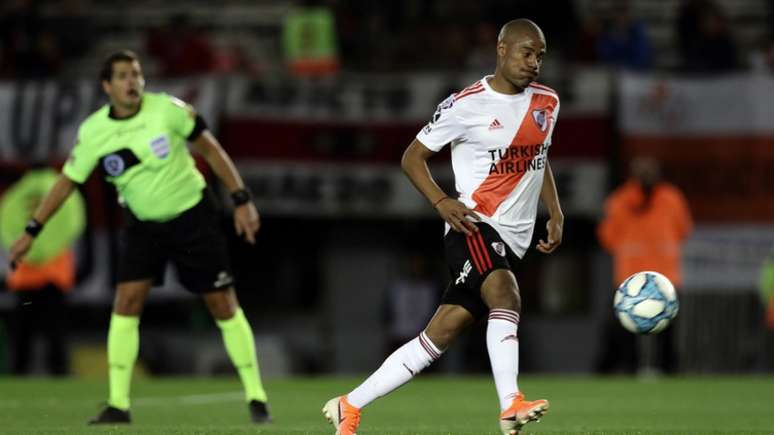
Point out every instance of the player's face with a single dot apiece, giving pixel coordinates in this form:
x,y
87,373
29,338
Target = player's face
x,y
520,60
126,85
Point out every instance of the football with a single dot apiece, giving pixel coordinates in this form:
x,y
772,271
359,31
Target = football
x,y
645,302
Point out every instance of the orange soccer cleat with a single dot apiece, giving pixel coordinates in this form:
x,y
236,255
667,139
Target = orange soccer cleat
x,y
520,413
342,415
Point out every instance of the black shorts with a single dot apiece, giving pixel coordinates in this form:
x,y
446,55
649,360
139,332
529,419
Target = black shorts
x,y
471,259
194,242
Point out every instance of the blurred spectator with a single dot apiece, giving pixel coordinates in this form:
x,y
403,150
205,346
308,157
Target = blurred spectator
x,y
42,280
439,35
72,27
480,55
234,58
585,44
181,48
557,18
704,38
646,223
29,50
411,299
309,40
763,59
623,40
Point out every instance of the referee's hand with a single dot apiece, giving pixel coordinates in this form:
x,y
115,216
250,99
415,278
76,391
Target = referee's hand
x,y
247,222
19,249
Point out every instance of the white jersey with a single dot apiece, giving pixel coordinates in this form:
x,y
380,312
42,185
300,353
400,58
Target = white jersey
x,y
499,149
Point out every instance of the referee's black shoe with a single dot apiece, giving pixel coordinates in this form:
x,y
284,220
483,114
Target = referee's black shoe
x,y
111,415
259,412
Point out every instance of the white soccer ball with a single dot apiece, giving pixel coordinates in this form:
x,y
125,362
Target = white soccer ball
x,y
645,302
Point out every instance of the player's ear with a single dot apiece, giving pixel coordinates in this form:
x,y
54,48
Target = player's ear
x,y
501,48
106,86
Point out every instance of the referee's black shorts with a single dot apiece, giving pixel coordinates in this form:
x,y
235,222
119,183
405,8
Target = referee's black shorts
x,y
471,259
193,242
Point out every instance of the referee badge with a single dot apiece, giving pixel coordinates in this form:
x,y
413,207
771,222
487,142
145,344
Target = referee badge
x,y
160,146
114,165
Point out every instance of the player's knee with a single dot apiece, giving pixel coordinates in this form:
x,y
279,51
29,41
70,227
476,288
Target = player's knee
x,y
502,295
507,299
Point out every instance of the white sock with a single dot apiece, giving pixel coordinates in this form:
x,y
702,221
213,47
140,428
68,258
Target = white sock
x,y
396,370
502,342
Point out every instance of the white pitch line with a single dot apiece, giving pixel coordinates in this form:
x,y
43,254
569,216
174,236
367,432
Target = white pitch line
x,y
193,399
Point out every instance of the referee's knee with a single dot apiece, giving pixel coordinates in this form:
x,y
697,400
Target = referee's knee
x,y
222,304
130,298
130,305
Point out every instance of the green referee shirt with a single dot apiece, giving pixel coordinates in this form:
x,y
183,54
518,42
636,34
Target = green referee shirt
x,y
144,156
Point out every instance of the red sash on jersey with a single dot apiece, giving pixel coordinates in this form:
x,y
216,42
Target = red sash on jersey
x,y
533,130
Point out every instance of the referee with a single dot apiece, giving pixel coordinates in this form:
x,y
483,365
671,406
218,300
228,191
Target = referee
x,y
139,141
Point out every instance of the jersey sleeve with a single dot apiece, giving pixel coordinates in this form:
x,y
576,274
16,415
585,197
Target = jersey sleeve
x,y
82,160
443,128
555,118
181,116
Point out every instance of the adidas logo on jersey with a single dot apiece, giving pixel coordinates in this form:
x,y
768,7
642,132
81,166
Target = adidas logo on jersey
x,y
495,125
466,268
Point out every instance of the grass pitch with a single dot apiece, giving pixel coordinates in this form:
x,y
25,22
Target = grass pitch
x,y
428,405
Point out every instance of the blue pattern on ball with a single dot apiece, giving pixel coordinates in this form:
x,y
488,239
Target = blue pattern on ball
x,y
649,290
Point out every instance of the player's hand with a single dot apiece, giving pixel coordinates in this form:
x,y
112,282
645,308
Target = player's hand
x,y
554,228
247,222
19,249
458,216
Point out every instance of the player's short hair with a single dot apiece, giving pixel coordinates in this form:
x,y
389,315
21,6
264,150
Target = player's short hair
x,y
106,72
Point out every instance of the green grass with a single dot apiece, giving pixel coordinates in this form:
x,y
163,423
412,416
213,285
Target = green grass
x,y
428,405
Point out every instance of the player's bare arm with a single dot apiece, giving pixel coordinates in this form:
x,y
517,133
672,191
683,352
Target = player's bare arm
x,y
50,204
247,221
555,224
455,213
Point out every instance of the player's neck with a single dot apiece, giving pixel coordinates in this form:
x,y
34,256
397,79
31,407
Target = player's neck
x,y
499,84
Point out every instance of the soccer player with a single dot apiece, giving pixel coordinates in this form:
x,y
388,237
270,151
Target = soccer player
x,y
139,142
500,131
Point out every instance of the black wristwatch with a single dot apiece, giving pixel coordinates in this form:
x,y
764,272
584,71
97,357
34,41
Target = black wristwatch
x,y
33,227
241,197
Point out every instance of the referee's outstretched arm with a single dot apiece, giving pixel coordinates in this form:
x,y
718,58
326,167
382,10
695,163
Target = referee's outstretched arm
x,y
247,222
50,204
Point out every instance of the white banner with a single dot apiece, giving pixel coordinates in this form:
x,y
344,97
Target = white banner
x,y
39,120
714,137
726,257
735,104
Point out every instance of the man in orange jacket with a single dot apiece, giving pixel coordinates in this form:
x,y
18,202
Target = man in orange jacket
x,y
646,223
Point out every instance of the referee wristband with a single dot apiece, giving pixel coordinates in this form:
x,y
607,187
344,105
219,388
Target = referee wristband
x,y
241,197
33,227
